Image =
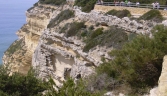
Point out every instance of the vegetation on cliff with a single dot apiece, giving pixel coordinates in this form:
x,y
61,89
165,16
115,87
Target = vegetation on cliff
x,y
87,5
135,67
153,15
70,88
63,15
119,13
138,64
75,28
20,85
92,36
105,38
53,2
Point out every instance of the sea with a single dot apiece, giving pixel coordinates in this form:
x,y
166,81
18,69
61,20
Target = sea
x,y
12,17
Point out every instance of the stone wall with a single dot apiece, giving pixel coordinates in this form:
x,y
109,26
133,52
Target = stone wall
x,y
134,11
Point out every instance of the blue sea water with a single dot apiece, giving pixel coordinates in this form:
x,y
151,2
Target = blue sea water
x,y
12,17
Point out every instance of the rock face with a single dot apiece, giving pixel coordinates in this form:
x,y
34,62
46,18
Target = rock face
x,y
60,57
52,53
19,59
162,86
142,27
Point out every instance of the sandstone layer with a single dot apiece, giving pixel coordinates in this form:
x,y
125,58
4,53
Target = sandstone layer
x,y
19,59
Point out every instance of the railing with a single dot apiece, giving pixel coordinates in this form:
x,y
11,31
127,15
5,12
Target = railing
x,y
149,6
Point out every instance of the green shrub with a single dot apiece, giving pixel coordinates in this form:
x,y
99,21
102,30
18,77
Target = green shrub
x,y
53,2
20,85
70,88
120,13
111,12
84,33
64,15
139,62
100,83
97,32
87,5
28,85
90,45
114,37
91,27
91,41
75,27
154,15
97,24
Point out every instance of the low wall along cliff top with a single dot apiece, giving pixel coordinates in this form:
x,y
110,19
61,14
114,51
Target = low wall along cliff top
x,y
133,11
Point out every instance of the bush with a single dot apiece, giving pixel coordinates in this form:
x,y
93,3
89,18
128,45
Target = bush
x,y
114,37
64,15
139,62
111,12
75,28
97,24
100,83
97,32
120,13
84,33
20,85
91,27
70,88
53,2
153,15
90,45
87,5
91,41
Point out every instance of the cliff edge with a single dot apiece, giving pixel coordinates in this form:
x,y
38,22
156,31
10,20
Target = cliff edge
x,y
57,46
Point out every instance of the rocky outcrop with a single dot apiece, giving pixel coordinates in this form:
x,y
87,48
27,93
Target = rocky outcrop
x,y
37,20
162,84
125,23
54,54
60,57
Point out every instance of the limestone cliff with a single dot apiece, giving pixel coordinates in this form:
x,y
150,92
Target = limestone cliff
x,y
162,88
19,55
61,56
55,54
